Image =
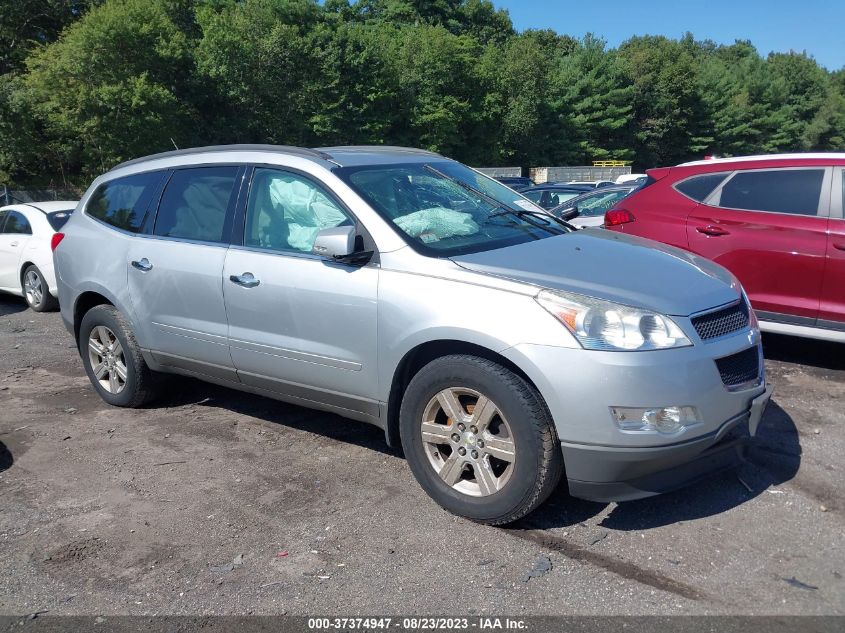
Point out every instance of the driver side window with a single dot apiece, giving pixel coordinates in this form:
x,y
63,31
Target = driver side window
x,y
285,212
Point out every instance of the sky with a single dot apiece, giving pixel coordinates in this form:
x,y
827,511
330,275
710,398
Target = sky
x,y
815,26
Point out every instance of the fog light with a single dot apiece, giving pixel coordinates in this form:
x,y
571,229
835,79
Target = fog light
x,y
666,420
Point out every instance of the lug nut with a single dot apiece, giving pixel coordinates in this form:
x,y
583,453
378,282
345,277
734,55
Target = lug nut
x,y
462,451
456,437
480,443
474,454
461,427
473,429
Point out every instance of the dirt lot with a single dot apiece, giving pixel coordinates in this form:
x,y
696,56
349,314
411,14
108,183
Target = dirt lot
x,y
218,502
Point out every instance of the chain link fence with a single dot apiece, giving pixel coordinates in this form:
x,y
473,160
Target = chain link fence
x,y
17,196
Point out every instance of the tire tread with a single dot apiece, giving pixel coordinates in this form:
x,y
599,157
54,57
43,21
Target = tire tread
x,y
145,383
551,460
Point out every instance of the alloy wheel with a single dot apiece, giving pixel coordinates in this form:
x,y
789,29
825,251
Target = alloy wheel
x,y
33,289
468,441
105,353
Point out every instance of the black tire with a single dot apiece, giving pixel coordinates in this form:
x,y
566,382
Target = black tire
x,y
538,462
48,302
140,385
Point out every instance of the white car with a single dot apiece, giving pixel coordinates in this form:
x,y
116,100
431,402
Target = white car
x,y
591,183
26,260
631,179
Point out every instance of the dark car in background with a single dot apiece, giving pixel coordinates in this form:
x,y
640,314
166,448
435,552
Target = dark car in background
x,y
551,195
774,221
515,182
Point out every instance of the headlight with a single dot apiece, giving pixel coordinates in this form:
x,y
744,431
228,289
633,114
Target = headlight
x,y
603,325
752,316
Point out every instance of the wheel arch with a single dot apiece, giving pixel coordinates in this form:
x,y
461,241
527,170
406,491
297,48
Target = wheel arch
x,y
422,354
24,266
87,300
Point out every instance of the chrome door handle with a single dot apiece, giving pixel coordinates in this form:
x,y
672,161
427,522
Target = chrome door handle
x,y
247,280
13,244
142,264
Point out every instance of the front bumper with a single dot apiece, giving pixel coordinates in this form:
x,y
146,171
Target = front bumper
x,y
609,473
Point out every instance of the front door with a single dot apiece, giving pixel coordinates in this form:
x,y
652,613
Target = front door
x,y
299,325
175,274
768,227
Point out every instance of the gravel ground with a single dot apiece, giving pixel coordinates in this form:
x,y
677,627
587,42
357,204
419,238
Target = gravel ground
x,y
216,502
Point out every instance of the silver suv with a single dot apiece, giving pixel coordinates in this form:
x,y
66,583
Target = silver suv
x,y
397,287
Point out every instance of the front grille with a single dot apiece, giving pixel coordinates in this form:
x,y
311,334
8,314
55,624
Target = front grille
x,y
738,369
721,322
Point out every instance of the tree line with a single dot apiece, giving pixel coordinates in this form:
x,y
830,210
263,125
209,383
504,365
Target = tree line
x,y
85,84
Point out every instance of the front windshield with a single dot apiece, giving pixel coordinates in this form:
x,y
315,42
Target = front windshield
x,y
444,208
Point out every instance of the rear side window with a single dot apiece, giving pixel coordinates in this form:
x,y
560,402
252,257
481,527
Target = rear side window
x,y
699,187
794,191
123,202
17,223
195,203
58,219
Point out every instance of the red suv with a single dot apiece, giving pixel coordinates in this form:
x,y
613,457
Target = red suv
x,y
775,221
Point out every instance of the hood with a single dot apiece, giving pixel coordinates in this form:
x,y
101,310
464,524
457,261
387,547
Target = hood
x,y
613,266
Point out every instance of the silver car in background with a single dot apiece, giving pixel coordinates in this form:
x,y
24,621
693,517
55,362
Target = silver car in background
x,y
588,209
394,286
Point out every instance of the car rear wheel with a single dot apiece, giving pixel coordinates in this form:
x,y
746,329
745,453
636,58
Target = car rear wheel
x,y
113,359
36,292
479,439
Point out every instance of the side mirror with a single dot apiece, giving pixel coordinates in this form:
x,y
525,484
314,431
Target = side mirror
x,y
338,244
570,213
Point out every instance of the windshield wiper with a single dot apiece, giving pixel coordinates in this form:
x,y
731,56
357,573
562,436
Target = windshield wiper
x,y
522,214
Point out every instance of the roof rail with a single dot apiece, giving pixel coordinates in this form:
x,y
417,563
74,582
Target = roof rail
x,y
761,157
375,148
282,149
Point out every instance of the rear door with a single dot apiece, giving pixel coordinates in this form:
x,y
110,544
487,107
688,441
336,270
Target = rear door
x,y
175,271
768,227
832,307
15,233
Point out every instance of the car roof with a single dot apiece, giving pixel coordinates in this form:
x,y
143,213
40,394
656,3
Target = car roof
x,y
50,206
807,156
562,185
342,156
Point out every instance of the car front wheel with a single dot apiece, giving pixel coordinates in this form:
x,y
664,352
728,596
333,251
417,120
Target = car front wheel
x,y
479,439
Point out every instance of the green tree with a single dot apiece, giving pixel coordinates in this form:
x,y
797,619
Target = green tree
x,y
87,83
26,24
258,58
669,115
110,88
595,93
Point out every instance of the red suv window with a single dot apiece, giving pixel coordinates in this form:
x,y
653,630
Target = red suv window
x,y
699,187
793,191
